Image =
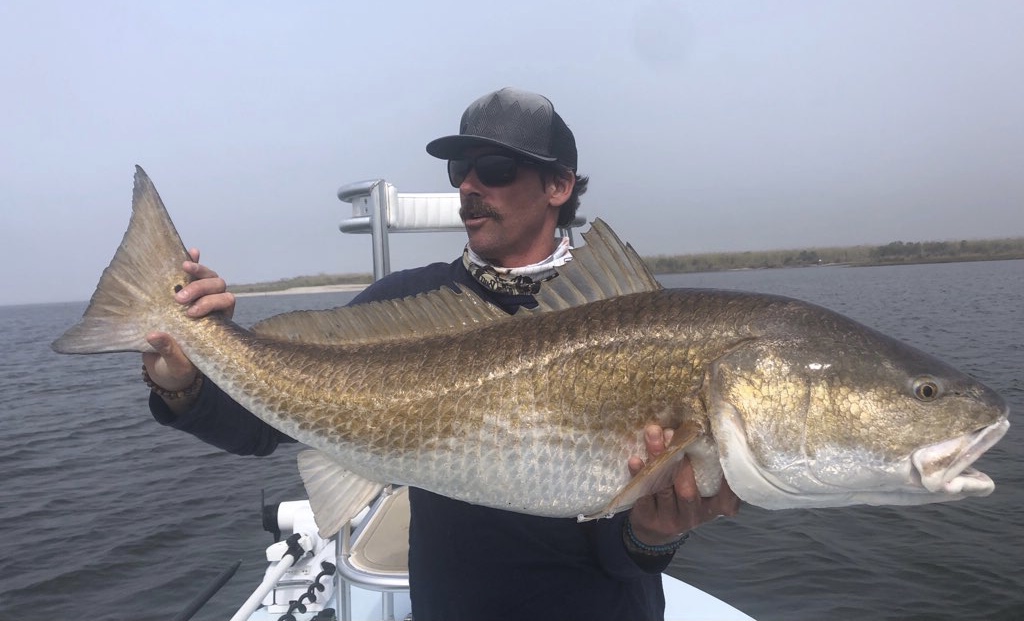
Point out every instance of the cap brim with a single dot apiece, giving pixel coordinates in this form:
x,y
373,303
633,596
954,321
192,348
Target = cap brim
x,y
451,147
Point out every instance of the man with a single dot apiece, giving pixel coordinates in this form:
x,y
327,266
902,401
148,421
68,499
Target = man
x,y
514,163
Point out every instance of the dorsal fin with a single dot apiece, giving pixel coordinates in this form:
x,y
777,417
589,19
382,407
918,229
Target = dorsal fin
x,y
430,314
603,268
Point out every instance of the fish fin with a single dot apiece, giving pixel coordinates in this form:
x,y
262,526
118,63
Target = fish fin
x,y
441,312
142,277
335,494
603,268
656,475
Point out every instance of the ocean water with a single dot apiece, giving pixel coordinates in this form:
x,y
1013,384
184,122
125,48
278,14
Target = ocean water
x,y
107,515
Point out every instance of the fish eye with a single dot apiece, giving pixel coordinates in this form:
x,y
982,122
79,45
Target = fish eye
x,y
925,389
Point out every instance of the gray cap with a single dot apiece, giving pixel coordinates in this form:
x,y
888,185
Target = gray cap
x,y
517,120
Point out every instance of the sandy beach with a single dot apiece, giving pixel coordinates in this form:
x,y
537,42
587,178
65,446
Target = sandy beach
x,y
300,290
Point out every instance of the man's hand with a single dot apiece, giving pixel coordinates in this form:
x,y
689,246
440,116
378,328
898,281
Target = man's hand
x,y
663,517
168,367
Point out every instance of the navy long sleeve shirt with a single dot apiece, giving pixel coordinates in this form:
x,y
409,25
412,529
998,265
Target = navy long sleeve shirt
x,y
468,562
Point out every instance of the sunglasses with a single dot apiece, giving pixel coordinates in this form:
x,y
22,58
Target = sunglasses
x,y
493,170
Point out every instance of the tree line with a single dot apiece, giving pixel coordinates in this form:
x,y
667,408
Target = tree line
x,y
892,253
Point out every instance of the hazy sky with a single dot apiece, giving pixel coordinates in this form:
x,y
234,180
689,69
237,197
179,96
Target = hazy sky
x,y
709,125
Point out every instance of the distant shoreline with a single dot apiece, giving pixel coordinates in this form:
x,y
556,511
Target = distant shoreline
x,y
679,264
895,253
339,288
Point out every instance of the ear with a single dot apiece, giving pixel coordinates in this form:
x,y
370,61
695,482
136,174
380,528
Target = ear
x,y
560,188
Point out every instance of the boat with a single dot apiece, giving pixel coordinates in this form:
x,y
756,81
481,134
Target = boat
x,y
362,572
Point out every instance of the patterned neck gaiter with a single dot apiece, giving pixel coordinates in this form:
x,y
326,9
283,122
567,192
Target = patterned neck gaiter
x,y
516,280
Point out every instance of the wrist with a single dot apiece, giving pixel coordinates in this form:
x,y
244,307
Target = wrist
x,y
636,545
186,394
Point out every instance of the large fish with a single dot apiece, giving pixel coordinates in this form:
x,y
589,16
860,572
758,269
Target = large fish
x,y
539,412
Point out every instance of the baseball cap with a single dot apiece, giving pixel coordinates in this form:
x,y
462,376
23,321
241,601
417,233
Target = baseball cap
x,y
517,120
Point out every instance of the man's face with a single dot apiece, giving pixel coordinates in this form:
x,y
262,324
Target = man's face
x,y
512,225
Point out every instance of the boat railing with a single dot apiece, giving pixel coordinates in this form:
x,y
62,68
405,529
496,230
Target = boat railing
x,y
379,209
374,552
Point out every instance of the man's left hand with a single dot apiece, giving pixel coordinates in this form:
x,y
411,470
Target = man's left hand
x,y
663,517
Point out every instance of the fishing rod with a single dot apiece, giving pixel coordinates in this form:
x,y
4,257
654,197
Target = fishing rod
x,y
200,600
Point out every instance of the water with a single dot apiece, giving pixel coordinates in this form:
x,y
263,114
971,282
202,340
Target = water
x,y
107,515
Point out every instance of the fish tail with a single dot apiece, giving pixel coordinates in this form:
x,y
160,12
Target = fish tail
x,y
137,288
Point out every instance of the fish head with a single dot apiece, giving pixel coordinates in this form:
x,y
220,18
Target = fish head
x,y
846,416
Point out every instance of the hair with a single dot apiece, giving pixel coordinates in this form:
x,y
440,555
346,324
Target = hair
x,y
567,212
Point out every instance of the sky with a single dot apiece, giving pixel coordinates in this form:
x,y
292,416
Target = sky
x,y
704,126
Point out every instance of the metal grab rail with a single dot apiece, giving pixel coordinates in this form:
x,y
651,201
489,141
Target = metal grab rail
x,y
379,209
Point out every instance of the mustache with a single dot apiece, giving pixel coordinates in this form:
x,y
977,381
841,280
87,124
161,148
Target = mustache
x,y
475,207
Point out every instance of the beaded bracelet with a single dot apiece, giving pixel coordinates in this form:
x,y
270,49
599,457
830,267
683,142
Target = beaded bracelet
x,y
635,545
187,392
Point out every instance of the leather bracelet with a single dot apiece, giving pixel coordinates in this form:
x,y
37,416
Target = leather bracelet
x,y
187,392
633,544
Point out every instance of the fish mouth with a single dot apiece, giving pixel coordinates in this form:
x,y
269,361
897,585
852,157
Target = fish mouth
x,y
945,467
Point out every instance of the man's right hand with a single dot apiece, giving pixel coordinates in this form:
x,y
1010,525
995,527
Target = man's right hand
x,y
168,367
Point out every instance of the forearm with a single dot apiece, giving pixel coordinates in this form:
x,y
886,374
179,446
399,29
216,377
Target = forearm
x,y
217,419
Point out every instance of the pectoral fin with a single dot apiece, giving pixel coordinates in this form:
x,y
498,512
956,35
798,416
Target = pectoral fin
x,y
656,475
335,494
